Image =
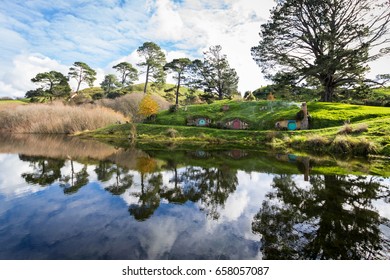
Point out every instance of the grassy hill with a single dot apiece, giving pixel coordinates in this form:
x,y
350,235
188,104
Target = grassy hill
x,y
262,115
167,91
367,131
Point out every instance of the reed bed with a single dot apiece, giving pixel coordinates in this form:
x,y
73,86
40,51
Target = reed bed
x,y
57,118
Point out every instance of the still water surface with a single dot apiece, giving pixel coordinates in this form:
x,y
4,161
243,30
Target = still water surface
x,y
64,198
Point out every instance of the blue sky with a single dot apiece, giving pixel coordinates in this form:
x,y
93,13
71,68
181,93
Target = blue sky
x,y
41,35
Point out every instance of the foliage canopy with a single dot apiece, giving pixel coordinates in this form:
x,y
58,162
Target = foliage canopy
x,y
328,41
154,61
82,73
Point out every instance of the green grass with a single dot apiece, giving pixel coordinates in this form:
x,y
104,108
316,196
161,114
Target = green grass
x,y
167,91
384,91
262,115
10,101
326,136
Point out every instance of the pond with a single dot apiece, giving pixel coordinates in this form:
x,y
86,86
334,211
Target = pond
x,y
66,198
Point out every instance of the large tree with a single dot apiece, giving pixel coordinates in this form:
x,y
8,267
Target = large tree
x,y
214,74
53,84
82,73
330,41
128,74
154,61
179,66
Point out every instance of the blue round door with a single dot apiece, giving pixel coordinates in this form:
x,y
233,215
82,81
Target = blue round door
x,y
201,122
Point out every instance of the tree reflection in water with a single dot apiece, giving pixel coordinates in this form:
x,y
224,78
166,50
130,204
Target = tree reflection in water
x,y
123,180
73,182
209,186
45,171
332,219
149,197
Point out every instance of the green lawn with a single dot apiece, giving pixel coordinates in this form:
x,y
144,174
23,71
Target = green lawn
x,y
328,119
262,115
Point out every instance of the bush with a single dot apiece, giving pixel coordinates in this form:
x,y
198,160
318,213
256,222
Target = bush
x,y
173,108
349,129
346,129
342,145
317,142
148,106
172,133
354,146
364,147
362,127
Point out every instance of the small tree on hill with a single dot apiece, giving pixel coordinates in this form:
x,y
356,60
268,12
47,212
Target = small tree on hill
x,y
154,61
148,106
82,73
180,67
53,84
128,74
214,74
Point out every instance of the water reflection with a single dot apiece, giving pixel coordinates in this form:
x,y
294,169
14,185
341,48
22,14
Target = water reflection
x,y
333,218
44,171
100,202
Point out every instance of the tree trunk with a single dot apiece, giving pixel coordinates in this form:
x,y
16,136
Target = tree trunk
x,y
177,90
328,86
147,78
78,86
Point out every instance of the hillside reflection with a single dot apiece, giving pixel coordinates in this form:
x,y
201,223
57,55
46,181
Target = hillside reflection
x,y
310,208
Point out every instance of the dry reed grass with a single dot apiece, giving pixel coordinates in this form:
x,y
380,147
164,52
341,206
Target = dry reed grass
x,y
56,118
349,129
129,104
344,144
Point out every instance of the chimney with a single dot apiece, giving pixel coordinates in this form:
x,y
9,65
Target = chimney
x,y
305,120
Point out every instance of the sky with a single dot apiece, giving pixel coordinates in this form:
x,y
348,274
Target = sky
x,y
40,35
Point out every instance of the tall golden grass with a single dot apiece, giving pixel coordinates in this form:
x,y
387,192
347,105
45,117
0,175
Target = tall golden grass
x,y
129,104
56,118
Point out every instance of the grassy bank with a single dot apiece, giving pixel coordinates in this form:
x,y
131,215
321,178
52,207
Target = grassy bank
x,y
262,115
367,131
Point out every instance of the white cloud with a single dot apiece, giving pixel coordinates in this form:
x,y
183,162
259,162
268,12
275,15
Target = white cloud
x,y
14,186
24,67
166,23
100,32
196,25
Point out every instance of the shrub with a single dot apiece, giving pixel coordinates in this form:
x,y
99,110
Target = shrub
x,y
348,145
317,142
270,135
342,144
346,129
148,106
364,147
172,133
361,127
349,129
173,108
